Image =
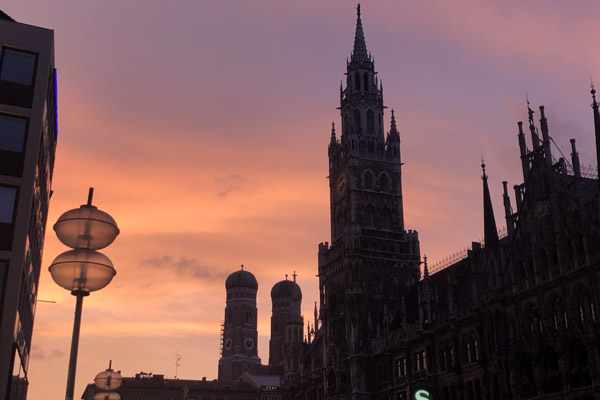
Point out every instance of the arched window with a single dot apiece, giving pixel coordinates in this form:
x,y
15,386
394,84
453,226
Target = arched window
x,y
368,180
370,121
366,81
362,147
248,317
357,81
357,122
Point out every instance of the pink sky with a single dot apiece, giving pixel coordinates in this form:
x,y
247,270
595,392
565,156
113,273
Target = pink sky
x,y
203,126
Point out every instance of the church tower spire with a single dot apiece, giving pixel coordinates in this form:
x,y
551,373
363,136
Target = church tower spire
x,y
489,222
372,261
360,47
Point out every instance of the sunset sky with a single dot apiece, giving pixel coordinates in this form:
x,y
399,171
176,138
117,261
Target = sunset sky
x,y
203,127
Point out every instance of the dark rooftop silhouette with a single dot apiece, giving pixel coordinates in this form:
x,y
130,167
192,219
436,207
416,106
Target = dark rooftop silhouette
x,y
6,17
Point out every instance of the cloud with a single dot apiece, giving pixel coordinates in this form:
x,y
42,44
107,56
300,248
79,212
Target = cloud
x,y
185,266
42,354
229,183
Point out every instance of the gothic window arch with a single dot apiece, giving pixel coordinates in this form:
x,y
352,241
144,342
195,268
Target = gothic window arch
x,y
533,322
368,180
555,312
357,81
362,147
471,347
583,305
577,363
366,81
384,182
370,121
446,356
386,218
379,150
357,122
370,216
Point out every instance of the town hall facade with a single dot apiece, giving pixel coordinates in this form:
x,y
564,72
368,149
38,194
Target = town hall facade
x,y
516,318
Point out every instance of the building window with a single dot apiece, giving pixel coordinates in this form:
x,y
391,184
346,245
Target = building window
x,y
3,272
420,362
401,367
18,66
17,76
8,197
12,133
8,200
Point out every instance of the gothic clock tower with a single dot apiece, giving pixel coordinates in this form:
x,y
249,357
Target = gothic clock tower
x,y
372,260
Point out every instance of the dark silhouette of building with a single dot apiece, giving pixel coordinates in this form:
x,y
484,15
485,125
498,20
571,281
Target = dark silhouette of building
x,y
151,386
27,146
515,317
287,328
239,348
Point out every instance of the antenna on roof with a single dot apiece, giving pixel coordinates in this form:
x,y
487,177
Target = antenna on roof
x,y
177,364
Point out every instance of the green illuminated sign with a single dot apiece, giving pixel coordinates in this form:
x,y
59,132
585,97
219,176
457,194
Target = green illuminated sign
x,y
422,394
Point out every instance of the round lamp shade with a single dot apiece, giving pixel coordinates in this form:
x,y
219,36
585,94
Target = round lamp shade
x,y
82,270
108,380
106,396
86,227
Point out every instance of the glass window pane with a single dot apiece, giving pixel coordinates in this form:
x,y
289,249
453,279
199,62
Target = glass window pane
x,y
17,67
12,133
7,203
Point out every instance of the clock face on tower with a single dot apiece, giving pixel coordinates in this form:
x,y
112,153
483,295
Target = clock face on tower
x,y
341,184
249,344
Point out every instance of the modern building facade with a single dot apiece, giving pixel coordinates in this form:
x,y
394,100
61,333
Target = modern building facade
x,y
28,132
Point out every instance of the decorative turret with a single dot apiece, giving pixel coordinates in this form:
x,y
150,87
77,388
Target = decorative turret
x,y
524,156
575,159
489,222
535,139
510,224
545,137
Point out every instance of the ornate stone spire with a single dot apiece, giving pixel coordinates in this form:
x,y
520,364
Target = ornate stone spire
x,y
333,138
489,222
534,135
360,47
393,123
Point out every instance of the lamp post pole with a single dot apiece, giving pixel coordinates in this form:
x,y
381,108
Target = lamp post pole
x,y
83,269
74,346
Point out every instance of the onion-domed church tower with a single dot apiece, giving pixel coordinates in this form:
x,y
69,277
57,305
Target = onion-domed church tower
x,y
240,333
287,326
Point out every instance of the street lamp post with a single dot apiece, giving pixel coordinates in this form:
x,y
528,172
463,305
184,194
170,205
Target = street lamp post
x,y
83,269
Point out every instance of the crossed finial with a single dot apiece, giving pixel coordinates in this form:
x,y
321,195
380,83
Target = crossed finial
x,y
294,275
358,9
